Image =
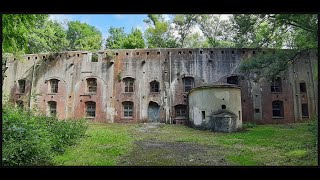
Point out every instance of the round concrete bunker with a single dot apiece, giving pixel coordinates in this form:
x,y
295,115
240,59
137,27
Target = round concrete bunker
x,y
215,107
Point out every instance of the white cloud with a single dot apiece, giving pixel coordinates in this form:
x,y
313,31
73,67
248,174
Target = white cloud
x,y
119,16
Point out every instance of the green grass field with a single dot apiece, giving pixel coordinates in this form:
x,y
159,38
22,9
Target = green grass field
x,y
263,145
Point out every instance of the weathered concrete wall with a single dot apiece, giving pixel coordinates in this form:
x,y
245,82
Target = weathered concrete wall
x,y
206,101
167,66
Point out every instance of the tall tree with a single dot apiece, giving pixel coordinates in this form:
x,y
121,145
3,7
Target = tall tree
x,y
183,24
218,31
16,29
134,40
82,36
116,38
51,37
159,34
295,31
196,40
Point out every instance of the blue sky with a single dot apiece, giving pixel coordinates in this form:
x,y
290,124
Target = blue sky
x,y
104,21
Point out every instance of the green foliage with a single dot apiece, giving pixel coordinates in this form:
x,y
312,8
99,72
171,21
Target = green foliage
x,y
51,37
118,39
276,30
217,31
183,25
82,36
34,140
158,34
134,40
247,125
268,65
16,29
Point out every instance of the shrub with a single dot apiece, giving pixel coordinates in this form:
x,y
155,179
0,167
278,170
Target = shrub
x,y
249,125
33,140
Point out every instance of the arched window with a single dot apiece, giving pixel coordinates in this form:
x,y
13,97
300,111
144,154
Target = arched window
x,y
181,110
19,104
277,109
92,85
90,109
154,86
233,80
128,84
53,85
127,109
276,85
22,85
52,108
188,83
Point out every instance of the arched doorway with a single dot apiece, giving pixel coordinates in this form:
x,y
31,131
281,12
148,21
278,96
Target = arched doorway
x,y
153,112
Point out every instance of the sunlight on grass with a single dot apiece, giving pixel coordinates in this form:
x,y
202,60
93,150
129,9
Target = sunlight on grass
x,y
261,145
103,144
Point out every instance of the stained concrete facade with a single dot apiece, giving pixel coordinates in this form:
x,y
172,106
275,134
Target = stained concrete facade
x,y
216,107
175,71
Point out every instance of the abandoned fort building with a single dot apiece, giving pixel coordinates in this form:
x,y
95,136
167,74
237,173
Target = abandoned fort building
x,y
152,85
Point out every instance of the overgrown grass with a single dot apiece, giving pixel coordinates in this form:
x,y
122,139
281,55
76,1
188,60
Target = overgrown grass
x,y
30,139
287,144
101,147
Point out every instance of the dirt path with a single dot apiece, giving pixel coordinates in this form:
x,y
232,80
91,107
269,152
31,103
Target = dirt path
x,y
161,153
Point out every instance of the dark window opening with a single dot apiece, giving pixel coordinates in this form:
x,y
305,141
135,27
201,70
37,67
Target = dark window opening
x,y
223,107
137,53
243,52
232,52
188,84
117,54
54,85
154,86
233,80
181,110
22,86
190,52
28,58
147,53
127,54
257,110
179,52
128,109
36,57
128,84
253,52
203,114
78,55
201,52
91,109
276,85
158,52
94,58
211,52
305,112
277,109
92,85
20,104
52,108
303,87
222,52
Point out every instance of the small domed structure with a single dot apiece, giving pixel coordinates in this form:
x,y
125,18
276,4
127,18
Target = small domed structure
x,y
216,107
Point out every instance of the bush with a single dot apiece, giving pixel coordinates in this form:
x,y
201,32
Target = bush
x,y
34,140
248,125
